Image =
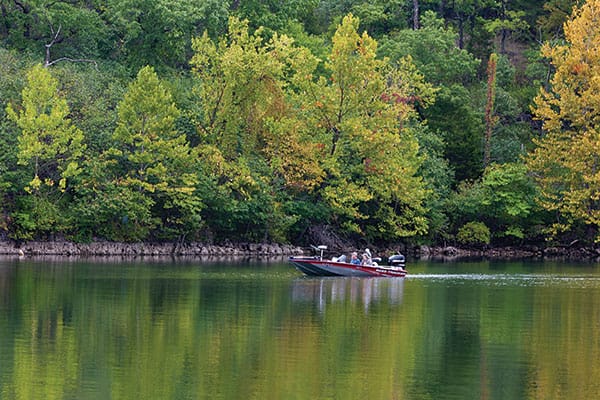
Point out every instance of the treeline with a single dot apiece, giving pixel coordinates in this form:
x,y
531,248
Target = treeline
x,y
299,121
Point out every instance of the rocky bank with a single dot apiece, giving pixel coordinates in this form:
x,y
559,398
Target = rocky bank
x,y
539,252
105,249
64,248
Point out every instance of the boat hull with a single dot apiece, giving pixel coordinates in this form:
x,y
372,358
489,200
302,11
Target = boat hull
x,y
313,266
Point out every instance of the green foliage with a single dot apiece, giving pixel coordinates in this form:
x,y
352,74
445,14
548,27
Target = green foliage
x,y
150,170
93,95
438,177
252,134
76,27
47,154
12,81
463,137
48,144
556,14
433,50
158,33
377,134
435,54
38,216
511,192
504,199
274,15
362,116
112,211
473,233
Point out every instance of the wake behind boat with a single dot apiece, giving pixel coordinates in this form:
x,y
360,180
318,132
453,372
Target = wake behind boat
x,y
317,266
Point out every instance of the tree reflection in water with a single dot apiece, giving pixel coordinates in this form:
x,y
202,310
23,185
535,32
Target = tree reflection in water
x,y
324,291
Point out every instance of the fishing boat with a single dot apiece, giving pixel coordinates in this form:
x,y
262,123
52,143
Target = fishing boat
x,y
338,266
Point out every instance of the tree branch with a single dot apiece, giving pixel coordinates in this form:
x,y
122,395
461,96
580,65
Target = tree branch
x,y
48,63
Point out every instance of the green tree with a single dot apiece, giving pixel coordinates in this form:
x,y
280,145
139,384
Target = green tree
x,y
146,183
49,144
362,115
504,199
66,30
158,33
275,15
474,233
557,12
248,125
507,21
455,114
565,162
49,148
12,177
509,202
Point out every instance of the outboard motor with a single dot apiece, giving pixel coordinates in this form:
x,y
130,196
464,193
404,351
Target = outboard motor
x,y
397,260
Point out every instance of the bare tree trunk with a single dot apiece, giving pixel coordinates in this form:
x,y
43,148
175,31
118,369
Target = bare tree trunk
x,y
503,32
47,60
461,33
415,14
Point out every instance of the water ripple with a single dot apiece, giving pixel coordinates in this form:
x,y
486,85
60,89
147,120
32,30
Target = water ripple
x,y
587,281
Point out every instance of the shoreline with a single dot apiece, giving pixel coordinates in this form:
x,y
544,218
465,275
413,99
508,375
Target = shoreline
x,y
111,249
65,248
510,252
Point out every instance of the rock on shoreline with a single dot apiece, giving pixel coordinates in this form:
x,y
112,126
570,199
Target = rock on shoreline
x,y
105,248
551,252
64,248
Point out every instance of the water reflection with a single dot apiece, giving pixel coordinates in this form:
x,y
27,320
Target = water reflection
x,y
325,291
256,330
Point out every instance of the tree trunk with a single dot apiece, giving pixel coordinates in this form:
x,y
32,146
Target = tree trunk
x,y
489,108
461,33
415,14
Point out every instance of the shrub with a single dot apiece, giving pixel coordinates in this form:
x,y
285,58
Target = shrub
x,y
473,233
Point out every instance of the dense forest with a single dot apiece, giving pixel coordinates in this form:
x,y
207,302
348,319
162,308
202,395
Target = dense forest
x,y
472,122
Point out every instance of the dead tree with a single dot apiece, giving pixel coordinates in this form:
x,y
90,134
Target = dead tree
x,y
48,61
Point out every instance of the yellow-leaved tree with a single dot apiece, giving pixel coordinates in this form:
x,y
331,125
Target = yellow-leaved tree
x,y
566,161
50,149
364,115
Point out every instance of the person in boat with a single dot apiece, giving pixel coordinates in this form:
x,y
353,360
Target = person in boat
x,y
354,259
366,260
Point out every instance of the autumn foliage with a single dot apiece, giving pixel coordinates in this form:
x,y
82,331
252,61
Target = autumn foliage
x,y
566,161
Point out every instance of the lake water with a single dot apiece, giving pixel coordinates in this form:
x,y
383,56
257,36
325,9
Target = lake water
x,y
260,330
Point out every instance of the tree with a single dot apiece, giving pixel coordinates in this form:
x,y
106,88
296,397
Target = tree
x,y
490,119
146,183
49,144
159,32
273,14
362,116
376,16
503,199
68,30
557,12
49,148
509,200
566,161
248,124
453,70
506,21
